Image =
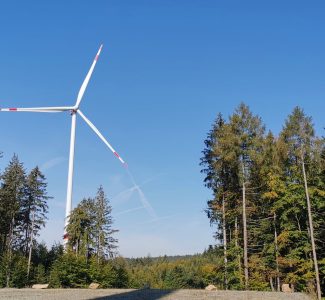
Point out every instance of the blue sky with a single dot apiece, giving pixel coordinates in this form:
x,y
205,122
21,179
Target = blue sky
x,y
166,69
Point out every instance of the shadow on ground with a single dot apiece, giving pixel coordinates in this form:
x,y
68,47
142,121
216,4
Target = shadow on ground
x,y
141,294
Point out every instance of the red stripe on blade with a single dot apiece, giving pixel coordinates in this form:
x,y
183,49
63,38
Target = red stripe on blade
x,y
115,153
12,109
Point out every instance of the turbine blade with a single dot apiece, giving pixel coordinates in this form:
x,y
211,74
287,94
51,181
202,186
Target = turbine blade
x,y
85,83
37,109
93,127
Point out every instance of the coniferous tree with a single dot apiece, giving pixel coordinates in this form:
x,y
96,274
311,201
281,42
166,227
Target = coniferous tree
x,y
81,229
13,188
106,244
33,210
272,190
248,134
23,211
90,227
299,137
218,178
280,183
232,160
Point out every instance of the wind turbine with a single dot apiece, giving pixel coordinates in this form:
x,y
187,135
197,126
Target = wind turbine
x,y
74,110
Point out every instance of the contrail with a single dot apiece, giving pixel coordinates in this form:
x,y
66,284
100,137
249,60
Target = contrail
x,y
129,210
143,198
133,188
146,203
52,163
128,192
158,219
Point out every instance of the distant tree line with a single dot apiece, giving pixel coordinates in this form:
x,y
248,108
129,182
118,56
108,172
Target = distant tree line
x,y
268,201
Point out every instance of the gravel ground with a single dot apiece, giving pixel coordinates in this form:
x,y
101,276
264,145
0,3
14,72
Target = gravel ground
x,y
145,294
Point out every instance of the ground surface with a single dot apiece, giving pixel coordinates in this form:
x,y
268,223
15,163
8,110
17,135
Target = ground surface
x,y
146,294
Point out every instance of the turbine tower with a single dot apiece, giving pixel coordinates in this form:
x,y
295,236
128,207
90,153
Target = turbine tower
x,y
74,110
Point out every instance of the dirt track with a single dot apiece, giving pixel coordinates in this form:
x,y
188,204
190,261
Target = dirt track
x,y
146,294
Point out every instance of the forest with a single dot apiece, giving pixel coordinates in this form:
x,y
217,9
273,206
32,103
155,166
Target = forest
x,y
268,203
267,209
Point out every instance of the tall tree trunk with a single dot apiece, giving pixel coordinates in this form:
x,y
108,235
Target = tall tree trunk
x,y
31,243
245,231
276,255
224,241
87,247
27,237
271,284
98,247
77,247
239,258
311,227
9,252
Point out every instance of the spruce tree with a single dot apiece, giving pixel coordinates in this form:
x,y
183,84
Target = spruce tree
x,y
272,190
299,137
248,133
90,228
218,178
34,209
81,229
106,244
232,159
13,193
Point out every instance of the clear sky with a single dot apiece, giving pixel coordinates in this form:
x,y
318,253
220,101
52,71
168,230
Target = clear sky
x,y
166,69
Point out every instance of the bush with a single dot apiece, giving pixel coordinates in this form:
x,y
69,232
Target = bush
x,y
69,271
74,272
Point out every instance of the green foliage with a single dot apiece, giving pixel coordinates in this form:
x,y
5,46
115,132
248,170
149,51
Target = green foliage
x,y
23,209
74,271
108,273
13,271
81,227
71,271
40,274
168,273
34,207
18,276
90,228
12,195
105,242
